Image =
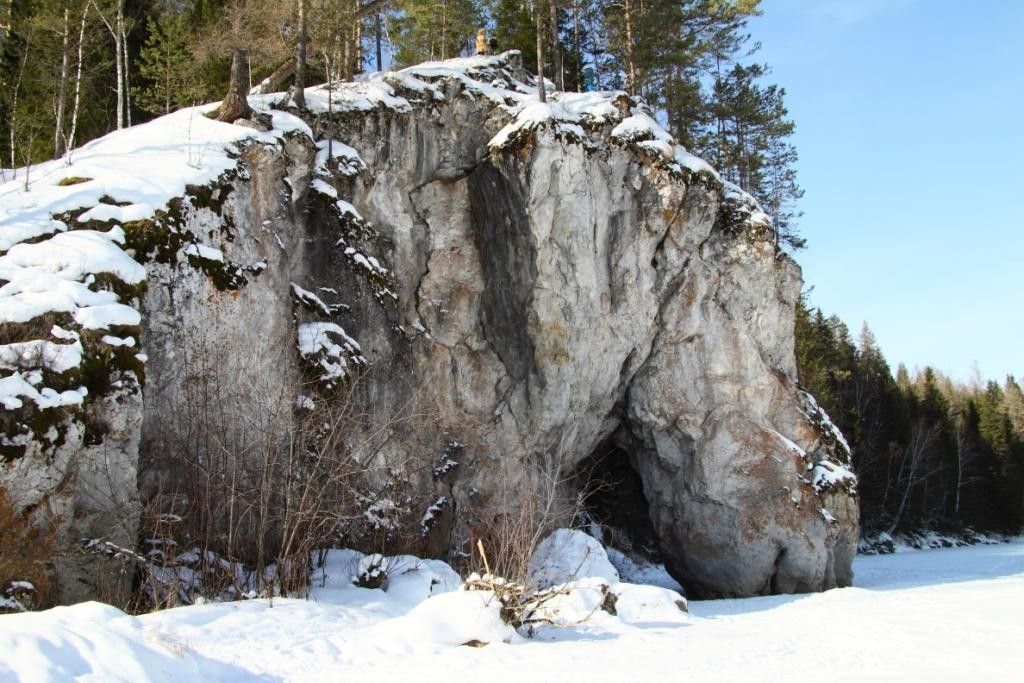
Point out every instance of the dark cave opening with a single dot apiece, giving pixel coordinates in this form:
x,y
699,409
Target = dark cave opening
x,y
613,497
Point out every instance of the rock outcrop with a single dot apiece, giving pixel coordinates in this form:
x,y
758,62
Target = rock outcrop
x,y
503,287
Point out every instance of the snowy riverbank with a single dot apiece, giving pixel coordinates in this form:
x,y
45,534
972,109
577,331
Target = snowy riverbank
x,y
950,614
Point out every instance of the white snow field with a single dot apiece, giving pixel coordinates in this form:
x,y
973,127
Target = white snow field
x,y
952,614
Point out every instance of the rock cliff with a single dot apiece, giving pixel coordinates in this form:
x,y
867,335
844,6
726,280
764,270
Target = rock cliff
x,y
477,298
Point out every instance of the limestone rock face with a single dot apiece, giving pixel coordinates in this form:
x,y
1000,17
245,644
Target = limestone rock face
x,y
509,289
80,488
562,292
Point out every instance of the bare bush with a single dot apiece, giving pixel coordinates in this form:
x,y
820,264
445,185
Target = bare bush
x,y
549,498
260,476
525,605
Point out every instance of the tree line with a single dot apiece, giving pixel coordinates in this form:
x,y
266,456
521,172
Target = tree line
x,y
72,70
929,452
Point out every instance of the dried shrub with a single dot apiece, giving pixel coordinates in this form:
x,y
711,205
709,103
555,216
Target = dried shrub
x,y
549,498
36,328
72,180
259,476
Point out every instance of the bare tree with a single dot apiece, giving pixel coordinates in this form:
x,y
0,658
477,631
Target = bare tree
x,y
538,11
299,90
69,143
916,469
14,122
263,33
259,478
556,48
62,84
117,27
577,44
247,29
967,455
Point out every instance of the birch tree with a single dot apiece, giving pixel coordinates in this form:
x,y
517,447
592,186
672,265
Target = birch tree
x,y
112,15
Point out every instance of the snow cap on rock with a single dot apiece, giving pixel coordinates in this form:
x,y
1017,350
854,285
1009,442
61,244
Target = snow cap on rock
x,y
569,555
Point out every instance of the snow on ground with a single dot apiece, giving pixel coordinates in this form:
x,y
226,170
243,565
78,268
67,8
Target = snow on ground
x,y
637,570
950,614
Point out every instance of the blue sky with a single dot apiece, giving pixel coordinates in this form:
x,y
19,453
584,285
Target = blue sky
x,y
910,128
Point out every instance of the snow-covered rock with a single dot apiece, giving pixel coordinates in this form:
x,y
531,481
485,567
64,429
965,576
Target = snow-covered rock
x,y
569,555
537,279
639,604
455,618
404,578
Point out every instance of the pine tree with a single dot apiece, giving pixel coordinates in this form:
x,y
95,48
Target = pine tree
x,y
998,435
166,63
879,416
930,453
780,192
514,29
590,45
435,29
748,118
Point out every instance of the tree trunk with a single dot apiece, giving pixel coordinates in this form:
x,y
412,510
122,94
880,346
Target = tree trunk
x,y
236,105
117,31
444,19
127,72
378,29
330,104
358,66
119,63
346,58
723,143
576,44
299,91
959,472
62,86
13,118
630,63
167,85
350,49
276,80
922,437
539,14
78,82
556,49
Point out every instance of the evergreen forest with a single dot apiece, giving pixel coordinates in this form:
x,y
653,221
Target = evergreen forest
x,y
929,452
